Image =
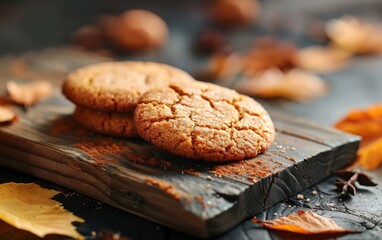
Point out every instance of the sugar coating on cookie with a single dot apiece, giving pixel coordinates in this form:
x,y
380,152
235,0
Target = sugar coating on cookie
x,y
204,121
110,123
117,86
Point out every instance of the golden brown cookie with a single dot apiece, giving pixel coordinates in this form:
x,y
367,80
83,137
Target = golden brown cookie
x,y
111,123
117,86
204,121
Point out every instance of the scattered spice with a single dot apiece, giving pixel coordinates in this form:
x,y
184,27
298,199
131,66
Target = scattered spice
x,y
99,149
304,222
201,201
66,124
166,187
7,115
253,169
150,161
366,123
30,93
346,180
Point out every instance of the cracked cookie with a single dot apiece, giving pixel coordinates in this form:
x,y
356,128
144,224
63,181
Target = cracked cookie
x,y
204,121
110,123
117,86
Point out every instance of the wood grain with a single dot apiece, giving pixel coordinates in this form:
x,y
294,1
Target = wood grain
x,y
190,196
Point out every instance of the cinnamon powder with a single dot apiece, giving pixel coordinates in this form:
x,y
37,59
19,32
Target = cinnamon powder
x,y
66,124
253,169
201,201
99,146
167,188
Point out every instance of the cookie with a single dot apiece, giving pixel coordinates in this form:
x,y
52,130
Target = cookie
x,y
136,30
110,123
117,86
234,13
204,121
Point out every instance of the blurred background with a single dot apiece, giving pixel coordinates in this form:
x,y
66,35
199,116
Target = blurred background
x,y
315,59
255,47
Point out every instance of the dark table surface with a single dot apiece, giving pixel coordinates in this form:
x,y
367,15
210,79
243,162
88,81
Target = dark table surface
x,y
33,25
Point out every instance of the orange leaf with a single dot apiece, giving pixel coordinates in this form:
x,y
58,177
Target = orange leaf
x,y
6,115
304,223
370,155
368,124
30,93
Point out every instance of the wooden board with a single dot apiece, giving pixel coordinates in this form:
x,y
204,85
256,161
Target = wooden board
x,y
202,199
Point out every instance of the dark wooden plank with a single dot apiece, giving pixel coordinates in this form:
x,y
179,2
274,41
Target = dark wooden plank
x,y
199,198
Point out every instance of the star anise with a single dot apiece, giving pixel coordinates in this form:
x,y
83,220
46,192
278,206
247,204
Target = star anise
x,y
346,179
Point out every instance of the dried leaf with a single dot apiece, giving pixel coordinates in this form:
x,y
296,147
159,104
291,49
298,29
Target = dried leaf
x,y
370,155
355,35
368,124
304,223
296,84
30,93
9,232
321,59
30,207
6,115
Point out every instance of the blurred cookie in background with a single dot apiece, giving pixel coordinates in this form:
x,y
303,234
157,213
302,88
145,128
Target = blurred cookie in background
x,y
136,30
233,13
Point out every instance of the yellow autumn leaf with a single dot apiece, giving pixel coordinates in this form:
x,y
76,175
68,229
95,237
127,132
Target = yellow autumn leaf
x,y
29,207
